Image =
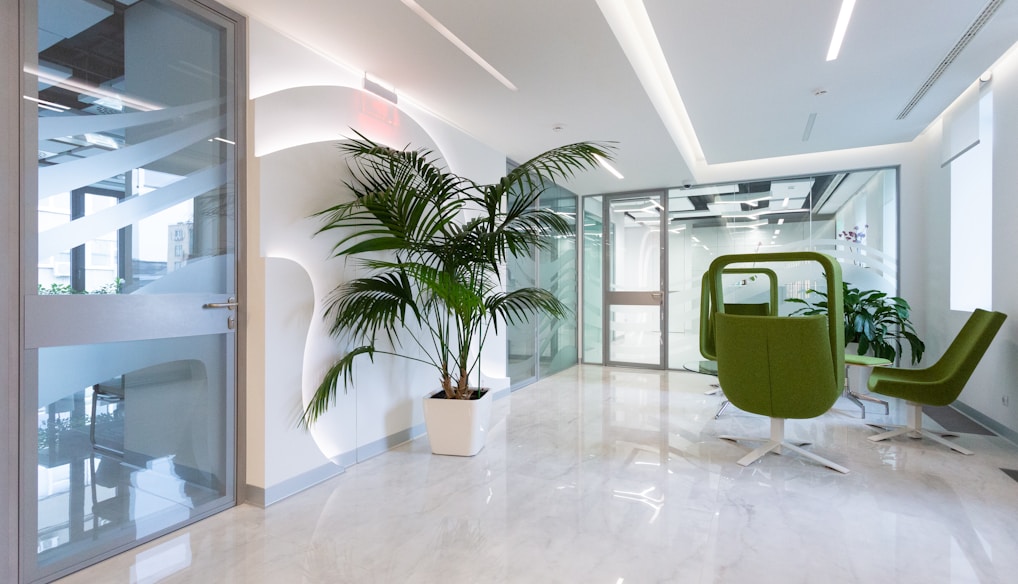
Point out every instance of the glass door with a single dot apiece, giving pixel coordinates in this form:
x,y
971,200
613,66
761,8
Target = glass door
x,y
634,315
131,304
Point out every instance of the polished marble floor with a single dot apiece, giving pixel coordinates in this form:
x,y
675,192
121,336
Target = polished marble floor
x,y
615,476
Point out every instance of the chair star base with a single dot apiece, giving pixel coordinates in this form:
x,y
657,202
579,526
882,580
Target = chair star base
x,y
776,443
914,429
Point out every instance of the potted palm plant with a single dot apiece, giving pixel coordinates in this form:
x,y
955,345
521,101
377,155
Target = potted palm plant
x,y
874,320
432,245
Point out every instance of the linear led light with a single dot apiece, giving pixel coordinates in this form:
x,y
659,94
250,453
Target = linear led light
x,y
781,211
751,224
751,202
634,31
52,106
839,29
459,44
92,90
609,168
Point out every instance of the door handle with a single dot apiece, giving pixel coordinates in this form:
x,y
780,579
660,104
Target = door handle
x,y
230,304
655,294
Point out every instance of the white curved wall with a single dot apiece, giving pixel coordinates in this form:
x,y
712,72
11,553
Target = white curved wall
x,y
304,105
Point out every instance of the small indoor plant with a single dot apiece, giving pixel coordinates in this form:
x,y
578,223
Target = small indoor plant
x,y
873,319
432,245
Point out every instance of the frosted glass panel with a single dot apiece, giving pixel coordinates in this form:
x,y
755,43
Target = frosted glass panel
x,y
130,343
133,158
131,440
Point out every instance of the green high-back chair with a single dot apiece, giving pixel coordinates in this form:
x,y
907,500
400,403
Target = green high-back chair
x,y
707,345
770,308
941,383
780,367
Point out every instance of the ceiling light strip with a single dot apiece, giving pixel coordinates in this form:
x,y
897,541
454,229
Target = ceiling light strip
x,y
634,32
455,40
50,105
840,27
604,163
809,127
978,24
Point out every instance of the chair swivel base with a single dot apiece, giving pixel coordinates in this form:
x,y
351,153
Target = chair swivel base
x,y
776,443
914,429
721,408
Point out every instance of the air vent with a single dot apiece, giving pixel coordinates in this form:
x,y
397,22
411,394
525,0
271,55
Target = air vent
x,y
963,42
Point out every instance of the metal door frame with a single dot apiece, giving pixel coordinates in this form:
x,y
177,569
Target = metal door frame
x,y
21,362
606,294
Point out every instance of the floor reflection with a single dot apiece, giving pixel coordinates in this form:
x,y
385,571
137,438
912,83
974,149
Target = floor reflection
x,y
610,475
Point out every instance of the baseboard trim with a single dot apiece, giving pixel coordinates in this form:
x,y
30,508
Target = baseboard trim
x,y
1001,430
263,497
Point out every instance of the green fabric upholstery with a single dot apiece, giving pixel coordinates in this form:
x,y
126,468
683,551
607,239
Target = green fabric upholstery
x,y
776,366
835,300
780,367
770,308
941,383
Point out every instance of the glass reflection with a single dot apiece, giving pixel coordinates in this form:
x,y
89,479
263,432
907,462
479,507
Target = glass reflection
x,y
851,216
128,454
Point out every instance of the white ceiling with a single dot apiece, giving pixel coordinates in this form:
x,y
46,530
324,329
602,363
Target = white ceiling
x,y
747,72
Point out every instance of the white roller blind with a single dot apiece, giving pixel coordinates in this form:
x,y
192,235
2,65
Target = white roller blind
x,y
961,126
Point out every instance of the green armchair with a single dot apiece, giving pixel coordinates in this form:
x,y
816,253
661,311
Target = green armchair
x,y
780,367
941,383
707,344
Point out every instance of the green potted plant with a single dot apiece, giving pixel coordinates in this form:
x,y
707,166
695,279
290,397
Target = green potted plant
x,y
873,319
432,245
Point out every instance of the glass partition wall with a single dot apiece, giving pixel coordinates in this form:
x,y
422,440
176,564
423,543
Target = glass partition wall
x,y
130,313
542,346
851,216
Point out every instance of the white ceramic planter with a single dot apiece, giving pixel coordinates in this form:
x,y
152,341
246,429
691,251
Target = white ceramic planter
x,y
457,427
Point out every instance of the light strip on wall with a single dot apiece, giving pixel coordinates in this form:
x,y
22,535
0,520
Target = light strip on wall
x,y
459,44
839,29
631,25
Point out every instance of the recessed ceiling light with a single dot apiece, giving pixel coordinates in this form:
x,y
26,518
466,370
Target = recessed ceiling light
x,y
839,29
609,168
635,33
459,44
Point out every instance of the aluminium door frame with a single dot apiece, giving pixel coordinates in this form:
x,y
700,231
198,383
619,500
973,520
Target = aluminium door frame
x,y
10,269
19,133
606,260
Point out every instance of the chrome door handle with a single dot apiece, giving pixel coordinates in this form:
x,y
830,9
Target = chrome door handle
x,y
230,304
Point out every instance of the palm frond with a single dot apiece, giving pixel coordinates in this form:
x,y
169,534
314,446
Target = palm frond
x,y
432,245
325,395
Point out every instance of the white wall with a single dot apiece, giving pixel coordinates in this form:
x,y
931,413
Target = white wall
x,y
303,106
996,376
